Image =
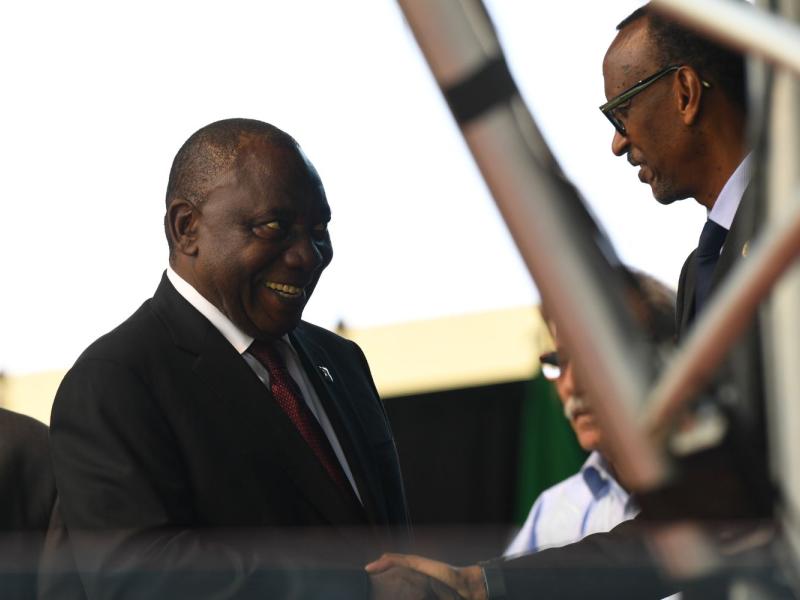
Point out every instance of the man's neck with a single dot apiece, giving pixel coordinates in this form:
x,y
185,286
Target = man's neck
x,y
612,470
720,148
718,175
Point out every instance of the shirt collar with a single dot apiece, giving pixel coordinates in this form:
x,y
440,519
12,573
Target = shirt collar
x,y
598,478
727,202
237,338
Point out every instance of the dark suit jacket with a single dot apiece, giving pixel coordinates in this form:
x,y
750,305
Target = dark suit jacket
x,y
742,230
178,474
742,371
27,493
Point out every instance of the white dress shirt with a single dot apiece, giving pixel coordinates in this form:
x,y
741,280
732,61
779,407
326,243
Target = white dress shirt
x,y
727,203
591,501
241,342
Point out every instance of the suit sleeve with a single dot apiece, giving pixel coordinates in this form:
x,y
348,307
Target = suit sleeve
x,y
617,564
395,491
126,503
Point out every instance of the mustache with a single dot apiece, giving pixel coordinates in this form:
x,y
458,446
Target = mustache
x,y
574,405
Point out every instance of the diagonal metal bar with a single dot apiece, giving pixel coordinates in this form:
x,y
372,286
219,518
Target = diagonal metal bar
x,y
570,260
728,314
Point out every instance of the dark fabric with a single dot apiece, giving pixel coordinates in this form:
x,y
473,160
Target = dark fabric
x,y
176,473
459,450
743,228
741,376
289,397
27,494
610,565
707,255
58,576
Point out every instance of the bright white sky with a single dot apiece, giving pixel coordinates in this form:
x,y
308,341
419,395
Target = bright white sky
x,y
98,96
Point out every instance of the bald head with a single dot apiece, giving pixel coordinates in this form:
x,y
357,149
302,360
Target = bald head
x,y
211,151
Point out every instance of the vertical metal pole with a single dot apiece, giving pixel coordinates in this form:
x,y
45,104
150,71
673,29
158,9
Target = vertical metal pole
x,y
782,339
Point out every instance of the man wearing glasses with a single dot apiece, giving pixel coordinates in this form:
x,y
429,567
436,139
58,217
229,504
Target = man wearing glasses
x,y
678,106
677,102
593,500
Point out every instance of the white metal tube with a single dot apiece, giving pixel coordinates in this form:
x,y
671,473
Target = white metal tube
x,y
457,39
738,23
727,315
782,338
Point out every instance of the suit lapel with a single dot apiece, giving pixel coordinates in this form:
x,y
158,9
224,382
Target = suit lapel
x,y
687,285
740,233
261,426
340,408
736,242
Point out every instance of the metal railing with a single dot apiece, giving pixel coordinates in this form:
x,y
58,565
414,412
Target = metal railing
x,y
583,289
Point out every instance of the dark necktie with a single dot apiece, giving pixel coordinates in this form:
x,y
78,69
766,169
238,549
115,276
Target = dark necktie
x,y
290,399
706,256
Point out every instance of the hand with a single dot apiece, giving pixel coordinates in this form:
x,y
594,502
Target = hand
x,y
400,583
466,581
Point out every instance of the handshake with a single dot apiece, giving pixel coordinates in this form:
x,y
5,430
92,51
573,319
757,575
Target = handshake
x,y
409,577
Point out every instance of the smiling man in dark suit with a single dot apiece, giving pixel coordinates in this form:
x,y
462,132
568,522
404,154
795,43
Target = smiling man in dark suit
x,y
214,444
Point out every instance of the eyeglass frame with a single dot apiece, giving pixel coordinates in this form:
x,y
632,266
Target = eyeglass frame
x,y
554,360
608,108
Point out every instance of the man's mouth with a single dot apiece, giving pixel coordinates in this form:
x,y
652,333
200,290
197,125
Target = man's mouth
x,y
644,176
580,413
285,290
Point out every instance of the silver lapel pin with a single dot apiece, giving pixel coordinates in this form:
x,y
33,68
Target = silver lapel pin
x,y
326,374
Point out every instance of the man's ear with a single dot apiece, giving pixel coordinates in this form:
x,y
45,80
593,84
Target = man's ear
x,y
182,223
689,90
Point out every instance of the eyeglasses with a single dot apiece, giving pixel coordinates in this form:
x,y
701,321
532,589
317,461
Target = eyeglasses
x,y
609,107
552,365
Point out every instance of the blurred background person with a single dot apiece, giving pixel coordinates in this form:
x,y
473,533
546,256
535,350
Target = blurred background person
x,y
594,499
215,408
27,494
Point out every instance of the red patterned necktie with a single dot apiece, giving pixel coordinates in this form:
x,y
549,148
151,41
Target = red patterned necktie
x,y
290,399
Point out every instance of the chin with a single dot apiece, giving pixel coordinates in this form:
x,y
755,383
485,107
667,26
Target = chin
x,y
589,441
666,196
664,201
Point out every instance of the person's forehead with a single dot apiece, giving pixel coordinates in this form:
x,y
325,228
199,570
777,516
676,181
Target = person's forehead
x,y
281,177
630,58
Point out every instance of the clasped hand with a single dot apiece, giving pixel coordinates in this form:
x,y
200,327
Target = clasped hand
x,y
406,576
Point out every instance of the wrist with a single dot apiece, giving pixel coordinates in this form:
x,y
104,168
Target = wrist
x,y
475,582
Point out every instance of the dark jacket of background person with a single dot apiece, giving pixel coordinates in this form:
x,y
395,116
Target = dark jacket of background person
x,y
27,493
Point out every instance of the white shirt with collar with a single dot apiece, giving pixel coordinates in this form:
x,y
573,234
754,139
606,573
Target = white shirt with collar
x,y
591,501
727,203
241,342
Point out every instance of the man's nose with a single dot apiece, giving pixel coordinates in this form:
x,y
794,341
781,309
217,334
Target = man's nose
x,y
620,143
571,381
304,253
